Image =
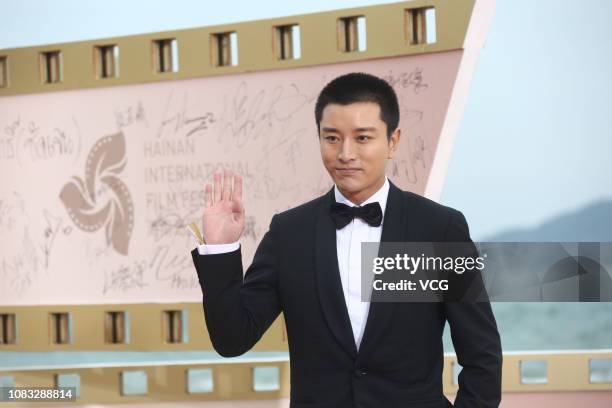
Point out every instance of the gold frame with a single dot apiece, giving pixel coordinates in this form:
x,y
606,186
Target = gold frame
x,y
318,32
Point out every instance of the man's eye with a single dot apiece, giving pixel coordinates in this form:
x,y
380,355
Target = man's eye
x,y
331,138
363,137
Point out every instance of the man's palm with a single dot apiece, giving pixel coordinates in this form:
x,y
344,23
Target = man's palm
x,y
223,217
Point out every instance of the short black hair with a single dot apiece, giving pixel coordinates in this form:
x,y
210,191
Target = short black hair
x,y
360,87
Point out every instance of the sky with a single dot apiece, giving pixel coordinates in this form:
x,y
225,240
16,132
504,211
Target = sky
x,y
535,140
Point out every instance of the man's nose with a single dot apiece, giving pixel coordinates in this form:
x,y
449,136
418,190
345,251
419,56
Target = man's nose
x,y
347,151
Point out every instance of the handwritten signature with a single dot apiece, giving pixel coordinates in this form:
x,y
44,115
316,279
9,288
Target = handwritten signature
x,y
245,118
125,278
173,268
182,124
130,115
28,138
412,80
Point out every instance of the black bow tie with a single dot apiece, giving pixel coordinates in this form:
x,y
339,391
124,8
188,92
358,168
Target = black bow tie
x,y
343,214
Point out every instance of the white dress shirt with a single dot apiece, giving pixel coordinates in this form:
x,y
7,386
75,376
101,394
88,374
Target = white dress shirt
x,y
348,245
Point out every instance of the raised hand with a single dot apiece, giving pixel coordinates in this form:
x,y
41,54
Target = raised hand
x,y
223,218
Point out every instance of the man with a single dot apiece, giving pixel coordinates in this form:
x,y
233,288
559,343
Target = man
x,y
345,352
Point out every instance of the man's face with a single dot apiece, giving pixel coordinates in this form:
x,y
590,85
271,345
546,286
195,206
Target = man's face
x,y
355,148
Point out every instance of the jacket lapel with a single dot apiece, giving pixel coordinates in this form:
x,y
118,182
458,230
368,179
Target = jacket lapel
x,y
394,230
327,275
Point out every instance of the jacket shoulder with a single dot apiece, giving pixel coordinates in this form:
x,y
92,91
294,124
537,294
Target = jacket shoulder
x,y
443,220
427,204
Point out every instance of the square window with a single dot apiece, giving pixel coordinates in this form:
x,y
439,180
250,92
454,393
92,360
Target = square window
x,y
200,380
266,379
107,61
7,381
165,55
3,72
287,42
134,383
352,34
69,380
534,372
60,328
51,67
224,47
174,326
420,25
8,328
116,328
600,370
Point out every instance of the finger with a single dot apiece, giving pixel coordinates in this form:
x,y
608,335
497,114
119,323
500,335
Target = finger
x,y
208,200
217,177
227,187
237,193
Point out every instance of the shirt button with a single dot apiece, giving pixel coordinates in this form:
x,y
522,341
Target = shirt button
x,y
360,373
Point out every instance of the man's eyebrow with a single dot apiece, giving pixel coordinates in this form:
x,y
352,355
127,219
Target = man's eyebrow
x,y
360,129
329,129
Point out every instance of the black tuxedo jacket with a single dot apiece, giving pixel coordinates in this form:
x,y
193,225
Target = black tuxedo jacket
x,y
400,359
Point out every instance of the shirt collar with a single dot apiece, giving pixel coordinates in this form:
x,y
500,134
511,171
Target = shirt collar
x,y
380,196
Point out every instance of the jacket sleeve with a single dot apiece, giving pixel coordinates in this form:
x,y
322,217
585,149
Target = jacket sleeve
x,y
475,337
239,310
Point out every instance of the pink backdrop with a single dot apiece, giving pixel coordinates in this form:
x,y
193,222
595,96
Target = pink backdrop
x,y
98,185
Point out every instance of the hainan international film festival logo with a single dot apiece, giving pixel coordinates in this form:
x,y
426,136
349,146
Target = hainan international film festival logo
x,y
102,199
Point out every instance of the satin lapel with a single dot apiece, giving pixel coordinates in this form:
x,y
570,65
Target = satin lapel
x,y
394,230
327,274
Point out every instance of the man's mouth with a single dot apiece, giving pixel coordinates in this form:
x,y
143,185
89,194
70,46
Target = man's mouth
x,y
347,171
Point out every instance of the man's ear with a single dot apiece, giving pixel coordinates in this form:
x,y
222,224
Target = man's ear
x,y
393,142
